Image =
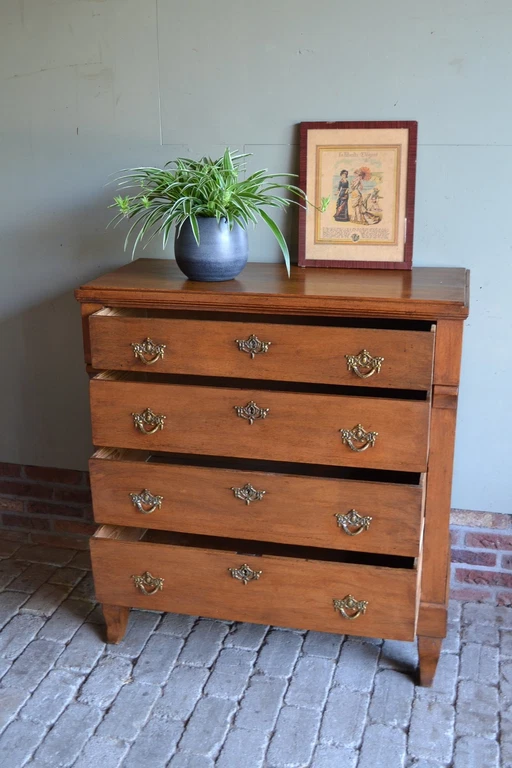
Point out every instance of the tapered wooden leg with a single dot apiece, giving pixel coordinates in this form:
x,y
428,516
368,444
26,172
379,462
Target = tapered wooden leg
x,y
429,650
116,619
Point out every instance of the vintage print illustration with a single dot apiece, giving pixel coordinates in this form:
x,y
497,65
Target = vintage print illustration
x,y
362,184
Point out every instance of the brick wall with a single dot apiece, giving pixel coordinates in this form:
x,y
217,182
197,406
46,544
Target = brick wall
x,y
54,506
482,556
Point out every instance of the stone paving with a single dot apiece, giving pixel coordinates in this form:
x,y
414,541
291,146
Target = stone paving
x,y
194,693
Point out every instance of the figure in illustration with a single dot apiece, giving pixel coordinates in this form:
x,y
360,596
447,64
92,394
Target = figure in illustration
x,y
353,204
356,194
370,208
342,201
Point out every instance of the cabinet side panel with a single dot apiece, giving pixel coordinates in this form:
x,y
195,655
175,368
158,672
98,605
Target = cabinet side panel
x,y
436,560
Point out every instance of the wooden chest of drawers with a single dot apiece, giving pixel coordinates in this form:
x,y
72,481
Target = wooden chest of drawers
x,y
276,451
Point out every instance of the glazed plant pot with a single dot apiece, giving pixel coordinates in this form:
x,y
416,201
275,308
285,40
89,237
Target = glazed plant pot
x,y
221,254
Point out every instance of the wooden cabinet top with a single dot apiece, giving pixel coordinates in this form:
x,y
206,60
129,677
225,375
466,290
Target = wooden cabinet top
x,y
422,293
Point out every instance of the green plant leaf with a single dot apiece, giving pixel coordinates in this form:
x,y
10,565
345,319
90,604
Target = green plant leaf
x,y
195,227
279,237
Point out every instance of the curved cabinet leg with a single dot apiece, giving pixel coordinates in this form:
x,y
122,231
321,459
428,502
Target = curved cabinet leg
x,y
116,619
429,650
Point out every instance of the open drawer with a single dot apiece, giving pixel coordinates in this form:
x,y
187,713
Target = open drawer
x,y
132,340
157,413
378,512
300,587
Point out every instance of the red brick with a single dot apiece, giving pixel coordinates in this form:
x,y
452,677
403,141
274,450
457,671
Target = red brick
x,y
59,540
475,595
473,519
473,558
72,526
484,578
488,541
72,495
9,470
504,598
14,535
506,562
10,505
43,508
23,489
454,536
16,521
55,475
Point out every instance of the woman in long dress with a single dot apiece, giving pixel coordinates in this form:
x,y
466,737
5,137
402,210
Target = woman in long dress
x,y
356,196
342,201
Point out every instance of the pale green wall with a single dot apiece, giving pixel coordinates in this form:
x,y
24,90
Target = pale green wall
x,y
88,87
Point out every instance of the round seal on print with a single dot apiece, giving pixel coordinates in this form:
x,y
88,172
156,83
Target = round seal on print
x,y
355,237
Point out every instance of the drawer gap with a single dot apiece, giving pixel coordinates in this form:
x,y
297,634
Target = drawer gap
x,y
238,317
260,465
289,468
241,547
258,384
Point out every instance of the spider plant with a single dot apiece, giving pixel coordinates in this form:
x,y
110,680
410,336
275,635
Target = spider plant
x,y
186,190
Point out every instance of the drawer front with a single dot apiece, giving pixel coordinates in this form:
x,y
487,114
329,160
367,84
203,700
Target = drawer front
x,y
289,592
296,428
290,509
403,359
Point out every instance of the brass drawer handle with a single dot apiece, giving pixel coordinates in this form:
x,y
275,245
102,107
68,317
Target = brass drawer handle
x,y
245,574
145,502
147,347
350,608
352,523
364,361
148,584
253,346
248,493
359,435
251,412
148,422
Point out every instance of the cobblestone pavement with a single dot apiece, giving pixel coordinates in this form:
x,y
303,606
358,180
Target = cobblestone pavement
x,y
195,693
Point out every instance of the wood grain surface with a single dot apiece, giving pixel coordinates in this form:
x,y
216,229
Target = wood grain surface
x,y
422,293
293,510
290,592
296,353
298,427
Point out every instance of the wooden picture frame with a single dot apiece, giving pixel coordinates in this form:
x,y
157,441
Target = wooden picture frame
x,y
368,172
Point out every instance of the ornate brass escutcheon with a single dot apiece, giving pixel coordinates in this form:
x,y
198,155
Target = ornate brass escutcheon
x,y
364,365
248,493
148,584
253,346
148,422
245,574
145,502
148,352
251,412
358,435
350,608
352,523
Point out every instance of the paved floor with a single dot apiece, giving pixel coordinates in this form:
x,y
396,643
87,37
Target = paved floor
x,y
190,693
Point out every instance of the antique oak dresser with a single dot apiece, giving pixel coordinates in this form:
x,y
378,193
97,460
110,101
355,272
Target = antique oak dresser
x,y
276,450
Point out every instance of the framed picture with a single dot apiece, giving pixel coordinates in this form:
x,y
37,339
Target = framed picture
x,y
361,179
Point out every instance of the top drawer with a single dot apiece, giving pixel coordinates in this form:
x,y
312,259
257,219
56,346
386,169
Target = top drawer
x,y
257,350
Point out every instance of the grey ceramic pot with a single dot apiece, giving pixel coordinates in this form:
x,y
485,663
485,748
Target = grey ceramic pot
x,y
221,254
